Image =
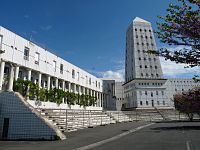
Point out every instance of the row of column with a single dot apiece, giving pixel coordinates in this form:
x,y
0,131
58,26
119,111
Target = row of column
x,y
14,74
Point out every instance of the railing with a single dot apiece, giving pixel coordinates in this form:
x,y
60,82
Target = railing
x,y
70,120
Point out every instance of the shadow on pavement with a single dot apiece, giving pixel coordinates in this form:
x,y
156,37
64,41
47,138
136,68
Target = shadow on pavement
x,y
177,128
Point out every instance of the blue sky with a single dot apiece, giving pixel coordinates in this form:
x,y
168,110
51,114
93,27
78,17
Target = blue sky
x,y
87,33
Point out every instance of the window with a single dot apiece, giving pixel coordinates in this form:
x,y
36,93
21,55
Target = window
x,y
136,36
137,43
145,92
151,94
156,67
142,74
163,102
37,58
90,82
61,68
156,92
139,58
1,41
154,59
151,75
86,79
147,103
140,66
151,67
145,59
140,30
26,53
150,37
78,76
158,103
140,92
149,59
96,83
149,30
73,73
145,66
54,65
140,102
157,75
99,85
135,29
141,36
147,74
162,92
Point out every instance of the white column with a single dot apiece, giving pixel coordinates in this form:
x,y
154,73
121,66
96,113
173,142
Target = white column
x,y
56,83
63,85
2,74
48,82
11,78
29,75
39,80
69,87
16,72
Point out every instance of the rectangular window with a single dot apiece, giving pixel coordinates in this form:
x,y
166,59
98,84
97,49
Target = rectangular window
x,y
96,83
162,92
90,82
78,76
99,85
86,79
26,53
37,58
145,92
61,68
1,41
54,65
140,92
73,73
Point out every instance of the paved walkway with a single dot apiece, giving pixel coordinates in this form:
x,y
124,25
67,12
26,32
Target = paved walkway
x,y
74,140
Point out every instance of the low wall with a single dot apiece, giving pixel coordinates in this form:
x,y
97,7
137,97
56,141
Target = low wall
x,y
51,105
20,121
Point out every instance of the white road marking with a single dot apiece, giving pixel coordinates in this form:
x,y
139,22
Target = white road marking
x,y
112,138
188,145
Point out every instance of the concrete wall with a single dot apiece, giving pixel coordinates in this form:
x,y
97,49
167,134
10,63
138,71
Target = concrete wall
x,y
24,122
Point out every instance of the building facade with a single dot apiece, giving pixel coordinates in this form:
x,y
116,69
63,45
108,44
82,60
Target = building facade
x,y
144,85
21,58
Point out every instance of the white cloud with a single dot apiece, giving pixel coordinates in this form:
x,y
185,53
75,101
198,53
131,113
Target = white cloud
x,y
118,75
172,69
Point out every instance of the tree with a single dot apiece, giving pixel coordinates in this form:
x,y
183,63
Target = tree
x,y
181,27
188,102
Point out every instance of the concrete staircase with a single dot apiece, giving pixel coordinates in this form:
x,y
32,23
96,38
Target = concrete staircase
x,y
119,116
72,120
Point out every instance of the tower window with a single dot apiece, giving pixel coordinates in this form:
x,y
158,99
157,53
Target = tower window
x,y
140,66
26,53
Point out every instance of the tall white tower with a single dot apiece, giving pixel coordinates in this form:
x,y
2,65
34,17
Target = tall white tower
x,y
140,64
144,83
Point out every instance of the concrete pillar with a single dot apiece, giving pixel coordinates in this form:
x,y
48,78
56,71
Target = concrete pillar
x,y
29,75
48,82
69,87
63,85
56,83
11,78
16,72
39,80
2,73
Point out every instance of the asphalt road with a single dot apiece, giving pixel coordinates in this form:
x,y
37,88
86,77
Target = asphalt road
x,y
160,136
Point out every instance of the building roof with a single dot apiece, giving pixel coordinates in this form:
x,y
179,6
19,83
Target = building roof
x,y
137,19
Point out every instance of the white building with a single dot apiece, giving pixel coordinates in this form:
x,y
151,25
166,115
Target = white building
x,y
21,58
144,83
113,94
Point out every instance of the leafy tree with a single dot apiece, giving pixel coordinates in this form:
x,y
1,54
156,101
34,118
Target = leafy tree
x,y
181,26
188,102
